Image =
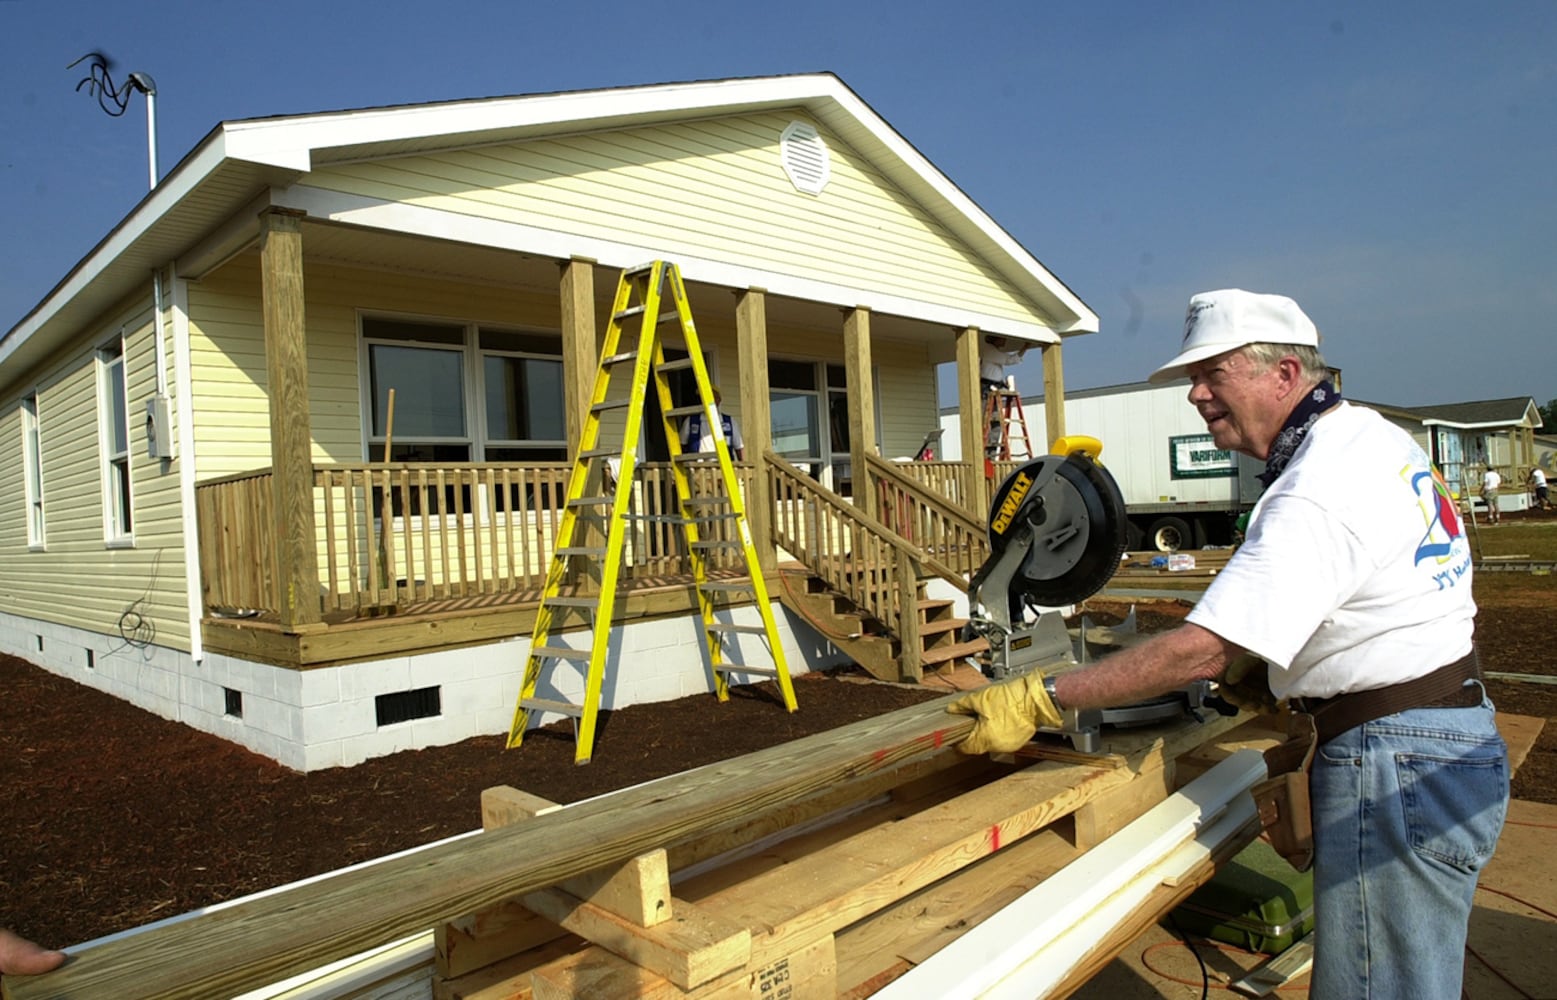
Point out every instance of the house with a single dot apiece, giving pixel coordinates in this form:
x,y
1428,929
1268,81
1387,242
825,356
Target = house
x,y
1463,439
289,443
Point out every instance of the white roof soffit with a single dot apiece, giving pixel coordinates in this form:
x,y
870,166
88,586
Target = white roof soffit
x,y
281,150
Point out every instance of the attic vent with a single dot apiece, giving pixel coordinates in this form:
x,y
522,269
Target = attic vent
x,y
806,161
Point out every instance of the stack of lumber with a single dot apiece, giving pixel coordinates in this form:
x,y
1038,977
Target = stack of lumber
x,y
1208,562
827,867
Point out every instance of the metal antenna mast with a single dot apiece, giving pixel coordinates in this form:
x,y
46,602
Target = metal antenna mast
x,y
115,100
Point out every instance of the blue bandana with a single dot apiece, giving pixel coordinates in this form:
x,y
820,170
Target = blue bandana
x,y
1320,398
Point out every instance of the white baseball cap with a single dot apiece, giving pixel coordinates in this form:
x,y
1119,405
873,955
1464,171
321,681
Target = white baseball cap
x,y
1221,321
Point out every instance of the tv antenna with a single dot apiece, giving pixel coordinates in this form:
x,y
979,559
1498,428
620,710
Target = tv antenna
x,y
116,100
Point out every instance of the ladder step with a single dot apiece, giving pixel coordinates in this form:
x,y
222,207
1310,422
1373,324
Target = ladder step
x,y
548,705
678,519
679,365
740,629
561,653
684,411
705,501
616,359
743,668
629,313
581,550
697,457
728,544
600,453
610,404
590,501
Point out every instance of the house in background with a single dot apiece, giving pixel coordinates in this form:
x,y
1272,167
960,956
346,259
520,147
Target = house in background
x,y
214,510
1464,439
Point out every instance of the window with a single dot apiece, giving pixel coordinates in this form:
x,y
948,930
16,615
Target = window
x,y
799,393
32,461
462,394
114,436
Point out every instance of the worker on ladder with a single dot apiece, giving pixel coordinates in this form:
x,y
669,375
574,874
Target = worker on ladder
x,y
697,439
996,354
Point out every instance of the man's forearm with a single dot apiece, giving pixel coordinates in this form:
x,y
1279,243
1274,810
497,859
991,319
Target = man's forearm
x,y
1163,663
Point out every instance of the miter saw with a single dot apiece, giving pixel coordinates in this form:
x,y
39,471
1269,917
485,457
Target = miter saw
x,y
1057,531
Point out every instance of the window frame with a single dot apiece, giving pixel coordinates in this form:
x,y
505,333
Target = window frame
x,y
32,471
116,468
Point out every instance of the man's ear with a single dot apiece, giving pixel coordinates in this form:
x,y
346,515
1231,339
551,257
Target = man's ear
x,y
1290,372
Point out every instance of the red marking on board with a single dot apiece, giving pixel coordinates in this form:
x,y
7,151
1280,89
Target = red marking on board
x,y
879,756
994,838
939,733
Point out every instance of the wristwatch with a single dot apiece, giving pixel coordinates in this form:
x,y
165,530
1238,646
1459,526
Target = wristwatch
x,y
1048,689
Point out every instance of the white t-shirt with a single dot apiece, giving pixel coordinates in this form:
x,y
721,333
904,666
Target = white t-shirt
x,y
993,361
1355,573
1537,478
1490,481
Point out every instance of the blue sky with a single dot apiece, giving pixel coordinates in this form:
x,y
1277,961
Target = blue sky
x,y
1389,165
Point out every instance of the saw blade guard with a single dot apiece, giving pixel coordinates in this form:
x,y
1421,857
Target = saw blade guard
x,y
1069,515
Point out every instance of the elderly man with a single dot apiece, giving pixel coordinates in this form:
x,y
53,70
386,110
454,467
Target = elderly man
x,y
1353,587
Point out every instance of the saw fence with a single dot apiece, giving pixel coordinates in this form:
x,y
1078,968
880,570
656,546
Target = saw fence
x,y
827,867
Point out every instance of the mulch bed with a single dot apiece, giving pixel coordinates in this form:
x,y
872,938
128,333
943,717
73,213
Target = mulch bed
x,y
115,817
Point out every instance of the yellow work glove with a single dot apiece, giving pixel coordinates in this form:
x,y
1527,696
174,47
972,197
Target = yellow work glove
x,y
1008,713
1247,685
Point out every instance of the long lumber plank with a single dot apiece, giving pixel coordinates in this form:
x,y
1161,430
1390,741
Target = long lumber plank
x,y
251,944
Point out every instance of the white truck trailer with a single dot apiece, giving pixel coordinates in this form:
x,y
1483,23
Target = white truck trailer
x,y
1180,489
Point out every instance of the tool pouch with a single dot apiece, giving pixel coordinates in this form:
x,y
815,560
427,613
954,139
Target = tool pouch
x,y
1282,798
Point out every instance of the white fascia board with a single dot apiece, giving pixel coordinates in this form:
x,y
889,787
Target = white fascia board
x,y
403,218
158,202
1494,425
285,140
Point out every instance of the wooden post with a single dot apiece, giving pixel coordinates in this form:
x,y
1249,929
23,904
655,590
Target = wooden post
x,y
751,346
862,406
1053,395
975,491
580,345
291,455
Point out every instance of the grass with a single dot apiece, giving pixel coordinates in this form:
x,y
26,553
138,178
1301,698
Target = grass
x,y
1538,541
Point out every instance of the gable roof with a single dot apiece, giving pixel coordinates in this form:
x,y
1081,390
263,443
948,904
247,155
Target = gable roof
x,y
1515,411
207,202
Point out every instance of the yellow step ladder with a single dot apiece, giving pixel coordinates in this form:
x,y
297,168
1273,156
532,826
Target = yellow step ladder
x,y
638,302
1005,425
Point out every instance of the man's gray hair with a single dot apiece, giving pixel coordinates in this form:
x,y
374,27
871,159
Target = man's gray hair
x,y
1266,355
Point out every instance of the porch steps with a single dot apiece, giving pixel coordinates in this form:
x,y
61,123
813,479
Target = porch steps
x,y
867,641
600,491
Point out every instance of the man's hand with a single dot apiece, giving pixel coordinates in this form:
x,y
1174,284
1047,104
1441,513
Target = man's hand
x,y
1247,685
1008,714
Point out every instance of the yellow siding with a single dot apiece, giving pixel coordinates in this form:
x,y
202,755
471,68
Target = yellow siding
x,y
78,580
710,189
232,425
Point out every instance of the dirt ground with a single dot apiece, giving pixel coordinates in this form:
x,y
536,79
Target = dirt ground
x,y
115,817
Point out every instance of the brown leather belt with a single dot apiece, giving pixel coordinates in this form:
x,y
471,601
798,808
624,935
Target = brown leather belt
x,y
1446,687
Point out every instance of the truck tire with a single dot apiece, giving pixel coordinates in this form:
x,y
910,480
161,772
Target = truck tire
x,y
1168,534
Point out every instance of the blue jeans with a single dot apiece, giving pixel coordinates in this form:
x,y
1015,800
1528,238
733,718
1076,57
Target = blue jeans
x,y
1407,809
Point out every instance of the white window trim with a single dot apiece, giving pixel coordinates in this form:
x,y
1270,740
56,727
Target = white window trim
x,y
114,534
32,473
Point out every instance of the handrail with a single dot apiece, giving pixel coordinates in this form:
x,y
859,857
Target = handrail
x,y
952,542
394,534
851,552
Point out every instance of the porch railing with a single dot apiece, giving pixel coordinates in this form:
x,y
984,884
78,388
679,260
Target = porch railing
x,y
398,534
852,553
953,542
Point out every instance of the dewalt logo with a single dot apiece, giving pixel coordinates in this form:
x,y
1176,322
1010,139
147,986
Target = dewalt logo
x,y
1012,503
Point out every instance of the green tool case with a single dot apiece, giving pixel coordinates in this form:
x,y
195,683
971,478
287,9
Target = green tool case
x,y
1256,901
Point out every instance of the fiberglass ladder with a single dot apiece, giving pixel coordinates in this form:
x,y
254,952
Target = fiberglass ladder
x,y
638,297
1005,425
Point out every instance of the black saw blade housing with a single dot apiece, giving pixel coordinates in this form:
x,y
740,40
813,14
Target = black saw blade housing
x,y
1076,515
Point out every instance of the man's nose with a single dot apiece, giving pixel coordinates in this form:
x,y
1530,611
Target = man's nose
x,y
1198,392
